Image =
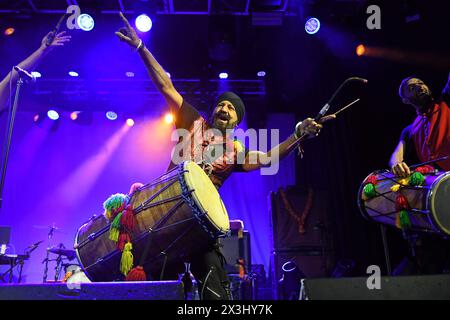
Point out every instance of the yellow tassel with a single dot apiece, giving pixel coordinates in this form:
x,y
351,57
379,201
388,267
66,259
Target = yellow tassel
x,y
397,221
114,234
107,214
126,262
395,188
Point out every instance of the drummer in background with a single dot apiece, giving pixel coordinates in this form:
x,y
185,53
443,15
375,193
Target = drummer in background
x,y
208,266
427,138
29,64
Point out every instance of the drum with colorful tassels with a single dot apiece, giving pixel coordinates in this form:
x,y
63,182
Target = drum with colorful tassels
x,y
420,202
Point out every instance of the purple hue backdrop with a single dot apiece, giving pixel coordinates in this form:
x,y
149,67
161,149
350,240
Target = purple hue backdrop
x,y
63,176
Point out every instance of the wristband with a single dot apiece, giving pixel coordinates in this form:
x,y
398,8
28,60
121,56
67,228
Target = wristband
x,y
295,131
139,46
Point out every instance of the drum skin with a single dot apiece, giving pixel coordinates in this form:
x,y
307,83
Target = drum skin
x,y
425,215
170,226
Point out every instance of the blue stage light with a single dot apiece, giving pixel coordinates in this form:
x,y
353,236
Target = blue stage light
x,y
52,114
36,74
85,22
143,23
111,115
312,25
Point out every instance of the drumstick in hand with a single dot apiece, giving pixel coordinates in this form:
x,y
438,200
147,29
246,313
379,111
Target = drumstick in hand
x,y
347,106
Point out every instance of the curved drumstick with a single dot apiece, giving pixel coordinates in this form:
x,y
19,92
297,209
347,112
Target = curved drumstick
x,y
302,137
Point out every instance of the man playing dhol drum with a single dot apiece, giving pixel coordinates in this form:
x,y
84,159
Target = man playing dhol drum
x,y
208,266
426,139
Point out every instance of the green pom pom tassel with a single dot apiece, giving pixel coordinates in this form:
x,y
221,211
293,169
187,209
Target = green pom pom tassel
x,y
114,228
116,222
115,201
416,179
404,220
369,190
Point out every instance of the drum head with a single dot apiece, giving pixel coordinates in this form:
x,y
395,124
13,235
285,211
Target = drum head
x,y
439,202
206,196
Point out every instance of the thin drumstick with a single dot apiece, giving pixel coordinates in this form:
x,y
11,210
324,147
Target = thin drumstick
x,y
337,112
347,106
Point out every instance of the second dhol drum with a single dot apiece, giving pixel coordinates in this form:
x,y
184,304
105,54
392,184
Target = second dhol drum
x,y
420,202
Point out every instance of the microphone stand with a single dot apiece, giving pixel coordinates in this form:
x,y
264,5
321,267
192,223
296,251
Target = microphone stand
x,y
9,131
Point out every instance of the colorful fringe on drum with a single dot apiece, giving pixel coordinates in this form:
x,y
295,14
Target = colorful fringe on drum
x,y
369,190
425,169
372,179
122,219
416,179
402,220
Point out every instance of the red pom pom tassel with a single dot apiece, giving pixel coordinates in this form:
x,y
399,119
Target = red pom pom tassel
x,y
123,239
128,220
425,169
136,274
401,203
372,179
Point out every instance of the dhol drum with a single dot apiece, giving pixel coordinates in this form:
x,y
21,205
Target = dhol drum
x,y
420,202
176,215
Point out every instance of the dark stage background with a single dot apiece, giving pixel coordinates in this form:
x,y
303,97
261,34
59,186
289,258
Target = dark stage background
x,y
302,72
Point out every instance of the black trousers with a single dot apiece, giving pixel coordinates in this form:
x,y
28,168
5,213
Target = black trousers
x,y
208,268
432,256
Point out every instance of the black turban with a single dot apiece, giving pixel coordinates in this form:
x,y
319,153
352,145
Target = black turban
x,y
235,101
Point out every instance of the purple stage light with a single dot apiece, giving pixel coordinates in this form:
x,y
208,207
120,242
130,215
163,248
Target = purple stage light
x,y
143,23
223,75
73,73
261,74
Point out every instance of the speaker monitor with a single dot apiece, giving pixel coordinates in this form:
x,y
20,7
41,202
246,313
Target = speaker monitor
x,y
235,248
427,287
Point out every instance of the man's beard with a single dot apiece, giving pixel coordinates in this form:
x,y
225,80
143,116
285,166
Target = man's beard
x,y
222,122
424,102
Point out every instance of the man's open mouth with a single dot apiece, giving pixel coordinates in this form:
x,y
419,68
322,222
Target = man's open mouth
x,y
223,117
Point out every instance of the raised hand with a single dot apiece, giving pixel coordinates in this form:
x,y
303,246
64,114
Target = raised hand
x,y
58,40
310,128
127,33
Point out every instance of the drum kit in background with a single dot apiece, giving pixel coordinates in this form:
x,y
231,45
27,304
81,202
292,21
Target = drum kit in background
x,y
66,269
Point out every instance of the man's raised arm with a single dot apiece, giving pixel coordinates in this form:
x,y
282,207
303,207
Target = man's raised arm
x,y
258,159
29,64
154,69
